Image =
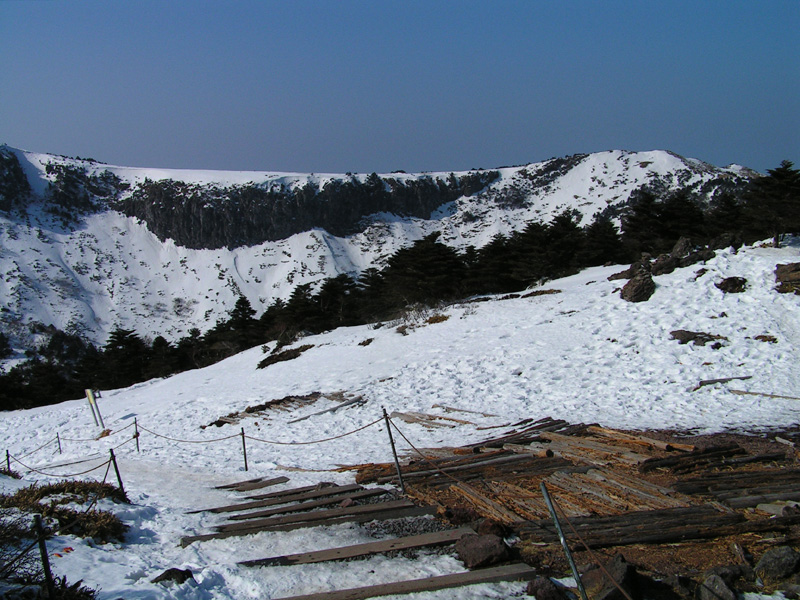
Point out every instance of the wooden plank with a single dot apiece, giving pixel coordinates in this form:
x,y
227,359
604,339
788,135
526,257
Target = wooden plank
x,y
315,515
439,538
579,443
271,500
399,513
293,491
464,410
257,485
301,506
229,486
515,572
488,506
639,439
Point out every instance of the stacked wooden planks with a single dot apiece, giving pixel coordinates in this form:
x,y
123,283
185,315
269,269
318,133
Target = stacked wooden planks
x,y
667,526
294,509
743,489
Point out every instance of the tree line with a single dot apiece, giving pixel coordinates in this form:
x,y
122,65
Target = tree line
x,y
427,272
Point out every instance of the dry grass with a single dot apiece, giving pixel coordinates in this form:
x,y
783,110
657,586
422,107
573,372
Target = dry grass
x,y
49,501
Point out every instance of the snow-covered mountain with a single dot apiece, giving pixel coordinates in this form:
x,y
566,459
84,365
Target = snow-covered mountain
x,y
86,246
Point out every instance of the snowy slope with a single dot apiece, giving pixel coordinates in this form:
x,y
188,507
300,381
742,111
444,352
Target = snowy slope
x,y
582,354
109,270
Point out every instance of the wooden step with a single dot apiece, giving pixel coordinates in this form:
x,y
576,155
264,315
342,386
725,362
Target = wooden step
x,y
515,572
397,513
283,498
314,515
301,506
439,538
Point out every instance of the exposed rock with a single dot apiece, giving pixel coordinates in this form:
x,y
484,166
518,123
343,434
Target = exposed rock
x,y
178,576
699,256
715,588
543,588
726,240
640,266
639,289
604,584
665,264
732,285
788,278
198,216
492,527
778,563
683,587
481,550
683,247
730,574
698,338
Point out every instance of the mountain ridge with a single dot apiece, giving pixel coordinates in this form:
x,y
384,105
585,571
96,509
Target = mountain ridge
x,y
81,240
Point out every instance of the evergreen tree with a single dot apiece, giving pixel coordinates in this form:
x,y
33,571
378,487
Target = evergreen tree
x,y
5,346
725,215
426,272
773,202
601,243
679,215
640,225
124,359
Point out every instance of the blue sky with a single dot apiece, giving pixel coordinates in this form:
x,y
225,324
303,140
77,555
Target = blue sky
x,y
366,86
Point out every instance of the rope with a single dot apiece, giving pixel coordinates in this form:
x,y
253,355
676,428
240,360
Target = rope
x,y
336,437
40,448
141,427
128,441
78,462
98,438
59,474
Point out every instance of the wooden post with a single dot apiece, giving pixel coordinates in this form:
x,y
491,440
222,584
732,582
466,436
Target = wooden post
x,y
572,566
93,400
8,462
116,470
48,575
58,438
244,450
394,451
90,399
136,432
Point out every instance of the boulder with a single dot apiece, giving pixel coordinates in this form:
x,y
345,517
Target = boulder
x,y
174,575
715,588
732,285
699,256
665,264
604,584
788,278
543,588
481,550
777,564
683,247
726,240
639,289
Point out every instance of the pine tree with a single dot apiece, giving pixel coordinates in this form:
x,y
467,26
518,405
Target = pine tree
x,y
773,202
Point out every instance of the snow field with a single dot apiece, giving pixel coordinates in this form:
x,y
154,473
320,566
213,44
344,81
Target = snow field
x,y
583,355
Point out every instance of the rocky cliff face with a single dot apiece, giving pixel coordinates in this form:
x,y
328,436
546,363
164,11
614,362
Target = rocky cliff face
x,y
201,216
